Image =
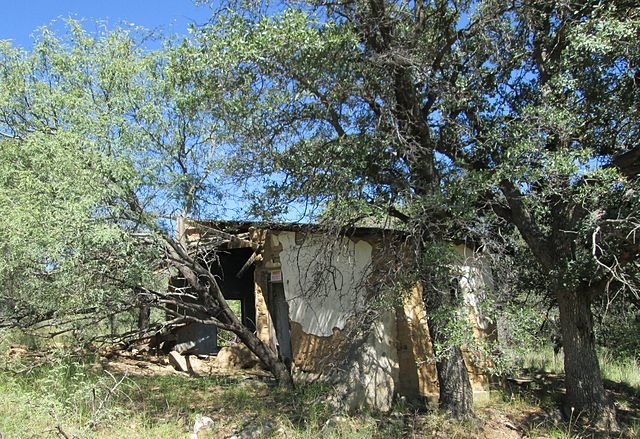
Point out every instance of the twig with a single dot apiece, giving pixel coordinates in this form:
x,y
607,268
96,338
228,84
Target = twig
x,y
110,391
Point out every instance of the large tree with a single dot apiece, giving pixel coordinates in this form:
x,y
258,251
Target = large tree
x,y
436,112
558,130
328,112
109,151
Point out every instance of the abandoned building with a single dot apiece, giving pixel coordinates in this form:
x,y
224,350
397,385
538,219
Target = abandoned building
x,y
316,301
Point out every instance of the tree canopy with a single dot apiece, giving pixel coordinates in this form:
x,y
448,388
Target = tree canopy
x,y
465,118
458,119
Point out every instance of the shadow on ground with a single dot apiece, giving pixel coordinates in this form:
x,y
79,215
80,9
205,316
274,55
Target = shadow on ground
x,y
546,391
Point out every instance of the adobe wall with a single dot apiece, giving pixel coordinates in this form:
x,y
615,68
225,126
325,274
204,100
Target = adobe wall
x,y
373,356
326,289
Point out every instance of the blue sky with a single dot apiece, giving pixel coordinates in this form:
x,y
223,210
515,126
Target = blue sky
x,y
20,18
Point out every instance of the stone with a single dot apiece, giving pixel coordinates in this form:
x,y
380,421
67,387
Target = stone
x,y
17,350
178,362
202,423
189,363
333,423
236,356
254,430
197,366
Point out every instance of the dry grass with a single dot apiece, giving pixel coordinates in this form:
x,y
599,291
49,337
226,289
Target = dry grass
x,y
75,394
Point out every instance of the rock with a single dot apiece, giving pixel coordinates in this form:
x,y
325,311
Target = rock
x,y
202,423
178,361
17,350
188,363
236,356
254,430
333,423
197,366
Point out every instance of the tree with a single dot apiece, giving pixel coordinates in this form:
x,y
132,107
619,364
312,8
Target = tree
x,y
327,112
57,254
525,113
563,148
111,150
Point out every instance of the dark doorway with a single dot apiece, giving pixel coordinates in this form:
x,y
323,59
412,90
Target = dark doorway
x,y
229,264
237,285
279,310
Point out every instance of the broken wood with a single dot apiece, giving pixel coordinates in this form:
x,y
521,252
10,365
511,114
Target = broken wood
x,y
255,256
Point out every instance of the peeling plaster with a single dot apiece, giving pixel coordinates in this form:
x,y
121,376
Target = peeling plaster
x,y
475,280
324,282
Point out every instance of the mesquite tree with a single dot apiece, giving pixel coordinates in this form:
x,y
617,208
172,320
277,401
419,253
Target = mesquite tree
x,y
110,150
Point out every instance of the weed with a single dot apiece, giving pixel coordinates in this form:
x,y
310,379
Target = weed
x,y
72,393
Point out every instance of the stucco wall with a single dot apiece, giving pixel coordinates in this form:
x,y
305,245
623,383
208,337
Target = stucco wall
x,y
323,281
418,376
325,287
475,280
326,283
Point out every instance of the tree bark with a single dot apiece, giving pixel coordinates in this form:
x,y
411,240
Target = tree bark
x,y
456,394
276,366
144,317
586,396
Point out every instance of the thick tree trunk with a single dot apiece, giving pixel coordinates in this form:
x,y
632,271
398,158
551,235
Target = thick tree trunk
x,y
456,393
586,396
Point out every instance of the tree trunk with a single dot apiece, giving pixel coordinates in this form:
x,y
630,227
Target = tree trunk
x,y
586,397
276,366
211,297
112,325
144,317
456,394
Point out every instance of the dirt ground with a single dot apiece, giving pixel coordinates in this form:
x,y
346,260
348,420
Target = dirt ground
x,y
527,407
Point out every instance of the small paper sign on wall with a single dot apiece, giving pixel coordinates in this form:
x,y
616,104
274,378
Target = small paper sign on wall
x,y
276,276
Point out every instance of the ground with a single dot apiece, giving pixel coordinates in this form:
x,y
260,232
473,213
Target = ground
x,y
118,393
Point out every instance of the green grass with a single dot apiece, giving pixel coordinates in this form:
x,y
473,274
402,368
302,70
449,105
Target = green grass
x,y
71,392
620,370
625,370
544,359
67,394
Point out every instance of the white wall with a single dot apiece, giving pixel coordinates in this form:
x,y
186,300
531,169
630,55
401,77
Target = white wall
x,y
323,280
475,280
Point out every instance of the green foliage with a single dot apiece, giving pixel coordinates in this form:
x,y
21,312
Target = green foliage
x,y
225,338
461,120
519,335
101,144
618,327
441,274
